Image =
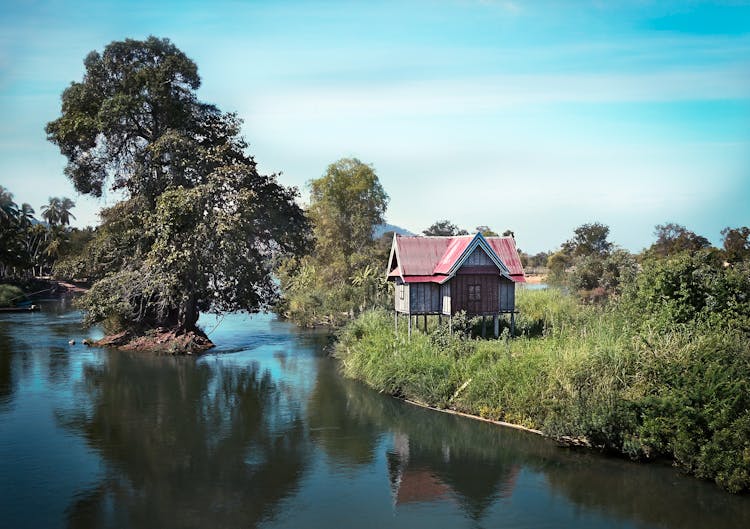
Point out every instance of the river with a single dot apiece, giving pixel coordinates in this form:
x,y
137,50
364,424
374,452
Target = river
x,y
263,432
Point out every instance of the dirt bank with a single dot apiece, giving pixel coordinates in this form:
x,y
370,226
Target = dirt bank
x,y
159,341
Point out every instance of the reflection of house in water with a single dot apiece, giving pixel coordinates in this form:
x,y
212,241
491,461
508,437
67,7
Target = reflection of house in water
x,y
420,474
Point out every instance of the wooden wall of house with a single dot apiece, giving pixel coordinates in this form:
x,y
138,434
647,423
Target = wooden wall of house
x,y
507,295
401,297
489,290
424,298
479,258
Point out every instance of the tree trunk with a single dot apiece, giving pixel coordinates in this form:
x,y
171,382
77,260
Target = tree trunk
x,y
188,315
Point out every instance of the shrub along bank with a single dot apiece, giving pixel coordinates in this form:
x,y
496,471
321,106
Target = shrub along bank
x,y
662,372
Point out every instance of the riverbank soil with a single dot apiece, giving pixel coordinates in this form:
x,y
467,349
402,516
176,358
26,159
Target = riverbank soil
x,y
160,341
536,279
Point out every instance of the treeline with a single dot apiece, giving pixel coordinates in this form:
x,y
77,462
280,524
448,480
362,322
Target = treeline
x,y
595,268
31,247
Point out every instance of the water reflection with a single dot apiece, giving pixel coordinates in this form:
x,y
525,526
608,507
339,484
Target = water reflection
x,y
266,433
180,436
347,434
7,378
436,458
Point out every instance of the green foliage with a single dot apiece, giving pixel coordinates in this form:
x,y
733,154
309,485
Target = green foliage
x,y
412,369
596,277
29,248
444,228
736,244
199,228
590,265
691,289
589,240
617,375
57,211
135,108
346,203
10,295
343,275
486,231
672,239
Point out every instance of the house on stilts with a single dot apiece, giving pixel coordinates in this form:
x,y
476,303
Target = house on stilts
x,y
445,275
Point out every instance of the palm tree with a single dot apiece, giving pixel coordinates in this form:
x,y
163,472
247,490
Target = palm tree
x,y
25,214
57,211
51,211
65,215
8,208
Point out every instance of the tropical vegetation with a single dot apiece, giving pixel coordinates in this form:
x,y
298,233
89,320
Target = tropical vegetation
x,y
30,247
342,273
657,367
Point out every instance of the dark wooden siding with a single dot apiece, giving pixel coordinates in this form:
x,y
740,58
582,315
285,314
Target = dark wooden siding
x,y
507,295
489,290
424,298
479,258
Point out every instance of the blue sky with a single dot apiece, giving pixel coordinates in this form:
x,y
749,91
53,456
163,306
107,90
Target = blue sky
x,y
536,116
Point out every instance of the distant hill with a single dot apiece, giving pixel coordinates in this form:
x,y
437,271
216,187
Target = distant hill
x,y
380,229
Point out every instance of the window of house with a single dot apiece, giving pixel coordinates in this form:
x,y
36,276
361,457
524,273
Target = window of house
x,y
401,291
475,293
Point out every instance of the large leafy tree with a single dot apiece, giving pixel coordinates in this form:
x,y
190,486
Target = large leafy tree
x,y
486,231
672,239
344,272
736,243
198,227
589,240
346,204
592,265
444,228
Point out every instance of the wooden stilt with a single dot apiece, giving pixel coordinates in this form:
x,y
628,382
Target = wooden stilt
x,y
440,319
484,326
425,323
512,324
410,326
395,321
450,324
497,325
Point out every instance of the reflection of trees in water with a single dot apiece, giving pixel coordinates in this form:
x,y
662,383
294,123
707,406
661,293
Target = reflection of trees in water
x,y
647,493
8,381
36,341
438,455
338,423
187,445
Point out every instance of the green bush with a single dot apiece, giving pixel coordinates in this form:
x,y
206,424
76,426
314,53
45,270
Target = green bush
x,y
663,372
10,295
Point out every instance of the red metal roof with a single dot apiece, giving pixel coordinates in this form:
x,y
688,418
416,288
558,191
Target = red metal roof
x,y
417,256
455,249
424,279
505,249
431,259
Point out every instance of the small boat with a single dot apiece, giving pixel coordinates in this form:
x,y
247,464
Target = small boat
x,y
29,308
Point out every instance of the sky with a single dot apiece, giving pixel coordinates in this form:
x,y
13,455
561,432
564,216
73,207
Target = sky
x,y
533,116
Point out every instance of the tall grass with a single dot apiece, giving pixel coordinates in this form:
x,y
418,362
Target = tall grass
x,y
578,371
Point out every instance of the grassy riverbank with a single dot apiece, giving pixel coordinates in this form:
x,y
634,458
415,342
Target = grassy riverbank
x,y
602,374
